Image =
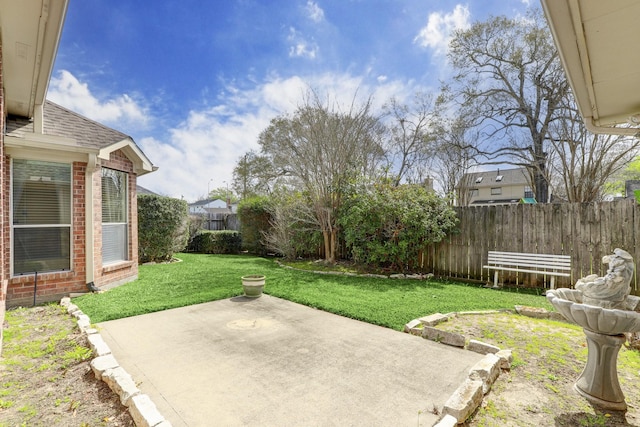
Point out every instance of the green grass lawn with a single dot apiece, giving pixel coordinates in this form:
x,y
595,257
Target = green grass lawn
x,y
386,302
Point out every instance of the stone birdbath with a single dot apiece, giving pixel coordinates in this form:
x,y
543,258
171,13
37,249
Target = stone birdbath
x,y
605,310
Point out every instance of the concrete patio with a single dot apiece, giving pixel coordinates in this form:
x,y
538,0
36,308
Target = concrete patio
x,y
271,362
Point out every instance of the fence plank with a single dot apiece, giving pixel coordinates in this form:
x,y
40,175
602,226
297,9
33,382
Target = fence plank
x,y
585,231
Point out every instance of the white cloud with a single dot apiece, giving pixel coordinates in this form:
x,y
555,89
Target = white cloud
x,y
200,152
301,47
65,89
440,27
314,11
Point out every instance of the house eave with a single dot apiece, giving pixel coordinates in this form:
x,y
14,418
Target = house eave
x,y
48,147
30,32
141,163
597,44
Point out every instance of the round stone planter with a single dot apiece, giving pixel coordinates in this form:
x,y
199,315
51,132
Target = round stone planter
x,y
253,285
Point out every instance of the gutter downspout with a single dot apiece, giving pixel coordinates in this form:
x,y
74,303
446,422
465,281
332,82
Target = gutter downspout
x,y
92,166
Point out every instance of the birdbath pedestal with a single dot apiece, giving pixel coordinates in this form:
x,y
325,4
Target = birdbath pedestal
x,y
598,382
604,329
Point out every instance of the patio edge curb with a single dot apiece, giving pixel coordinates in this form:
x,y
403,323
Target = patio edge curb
x,y
106,368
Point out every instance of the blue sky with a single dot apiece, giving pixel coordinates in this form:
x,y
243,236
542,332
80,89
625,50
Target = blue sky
x,y
195,82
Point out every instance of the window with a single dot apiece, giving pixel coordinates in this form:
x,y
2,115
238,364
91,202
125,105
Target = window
x,y
528,192
40,216
499,178
479,180
496,191
474,192
115,241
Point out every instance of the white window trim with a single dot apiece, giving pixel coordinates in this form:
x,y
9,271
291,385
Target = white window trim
x,y
126,224
12,226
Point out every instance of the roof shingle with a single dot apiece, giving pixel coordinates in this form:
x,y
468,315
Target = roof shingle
x,y
59,121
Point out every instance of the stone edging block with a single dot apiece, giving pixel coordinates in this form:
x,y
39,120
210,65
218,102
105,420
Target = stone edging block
x,y
482,348
144,412
539,313
97,344
447,421
444,337
464,400
100,364
106,368
121,383
468,397
486,370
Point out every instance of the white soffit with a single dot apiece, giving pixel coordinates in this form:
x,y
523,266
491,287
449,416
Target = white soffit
x,y
30,33
599,47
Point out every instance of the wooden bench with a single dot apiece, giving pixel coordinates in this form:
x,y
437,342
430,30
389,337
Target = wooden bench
x,y
549,265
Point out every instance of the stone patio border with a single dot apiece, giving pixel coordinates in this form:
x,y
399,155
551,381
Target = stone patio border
x,y
105,367
469,395
460,405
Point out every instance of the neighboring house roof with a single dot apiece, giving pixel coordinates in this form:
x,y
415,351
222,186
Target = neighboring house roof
x,y
141,190
598,45
517,176
496,202
73,132
207,202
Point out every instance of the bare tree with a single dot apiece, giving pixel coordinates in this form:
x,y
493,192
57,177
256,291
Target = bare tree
x,y
509,77
326,149
410,146
454,155
583,162
292,226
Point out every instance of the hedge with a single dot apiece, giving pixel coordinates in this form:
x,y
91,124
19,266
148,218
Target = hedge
x,y
162,227
216,242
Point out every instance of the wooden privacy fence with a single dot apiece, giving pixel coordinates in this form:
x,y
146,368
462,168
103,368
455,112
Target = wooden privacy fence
x,y
221,221
585,231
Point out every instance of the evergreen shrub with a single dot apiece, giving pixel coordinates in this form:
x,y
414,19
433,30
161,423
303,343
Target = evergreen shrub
x,y
163,227
216,242
255,220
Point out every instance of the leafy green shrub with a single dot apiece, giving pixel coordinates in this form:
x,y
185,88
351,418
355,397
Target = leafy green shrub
x,y
162,227
216,242
254,223
388,226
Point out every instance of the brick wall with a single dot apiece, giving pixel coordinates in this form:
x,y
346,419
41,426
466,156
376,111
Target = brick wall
x,y
52,286
116,274
3,210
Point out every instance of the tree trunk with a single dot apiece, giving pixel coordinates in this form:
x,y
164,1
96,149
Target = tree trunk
x,y
328,252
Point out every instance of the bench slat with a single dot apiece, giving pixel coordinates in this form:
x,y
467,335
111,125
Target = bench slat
x,y
551,266
529,254
548,273
540,257
546,264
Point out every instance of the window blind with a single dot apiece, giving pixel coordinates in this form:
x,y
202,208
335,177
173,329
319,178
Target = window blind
x,y
41,216
115,244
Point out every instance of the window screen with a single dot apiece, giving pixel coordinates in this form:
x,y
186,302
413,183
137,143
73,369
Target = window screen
x,y
41,216
115,243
